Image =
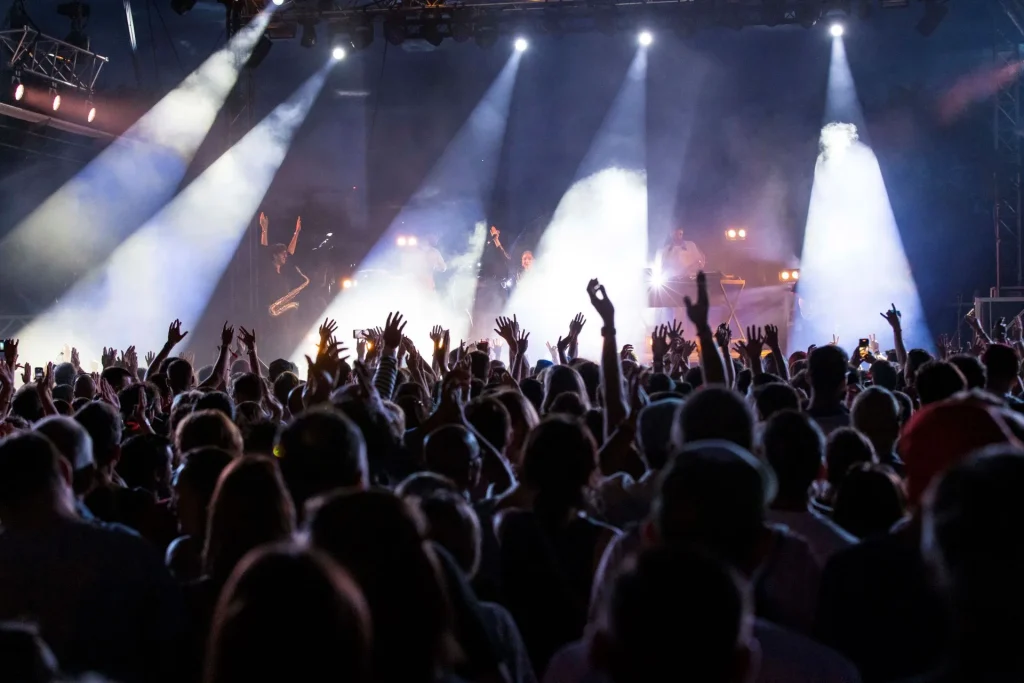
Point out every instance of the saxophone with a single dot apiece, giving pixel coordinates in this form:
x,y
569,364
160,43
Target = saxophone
x,y
286,302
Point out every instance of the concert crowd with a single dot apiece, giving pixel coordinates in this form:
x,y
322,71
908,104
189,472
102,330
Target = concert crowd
x,y
712,510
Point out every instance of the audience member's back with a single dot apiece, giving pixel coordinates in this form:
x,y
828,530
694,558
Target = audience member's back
x,y
101,596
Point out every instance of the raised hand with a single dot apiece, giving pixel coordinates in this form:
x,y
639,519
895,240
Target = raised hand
x,y
686,347
723,335
892,316
26,376
149,358
436,333
576,325
771,336
6,378
674,330
108,358
327,330
659,343
393,329
697,311
755,343
247,338
130,361
174,333
264,223
75,359
44,387
627,353
507,329
227,335
522,342
11,352
601,303
108,395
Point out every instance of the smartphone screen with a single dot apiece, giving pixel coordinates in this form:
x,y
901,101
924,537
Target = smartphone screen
x,y
39,374
864,343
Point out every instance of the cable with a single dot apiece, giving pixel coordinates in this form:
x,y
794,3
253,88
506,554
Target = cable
x,y
152,42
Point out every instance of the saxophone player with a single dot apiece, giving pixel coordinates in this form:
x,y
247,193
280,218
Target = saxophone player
x,y
279,287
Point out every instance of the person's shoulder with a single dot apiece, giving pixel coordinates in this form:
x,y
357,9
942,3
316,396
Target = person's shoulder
x,y
792,657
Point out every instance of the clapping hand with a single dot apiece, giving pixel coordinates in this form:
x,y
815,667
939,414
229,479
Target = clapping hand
x,y
108,358
247,339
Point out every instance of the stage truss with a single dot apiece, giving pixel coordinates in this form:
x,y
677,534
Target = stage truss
x,y
61,64
1008,31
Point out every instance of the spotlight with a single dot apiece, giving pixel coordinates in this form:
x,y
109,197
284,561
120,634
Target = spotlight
x,y
338,53
401,241
742,234
789,275
730,234
431,32
657,278
56,99
278,2
413,241
347,283
645,38
521,44
394,31
91,116
19,91
308,35
837,30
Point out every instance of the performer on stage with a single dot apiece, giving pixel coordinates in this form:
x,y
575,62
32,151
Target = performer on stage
x,y
680,258
280,285
420,262
527,263
490,295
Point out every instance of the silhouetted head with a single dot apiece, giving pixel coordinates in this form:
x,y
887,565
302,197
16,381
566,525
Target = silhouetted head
x,y
715,413
794,446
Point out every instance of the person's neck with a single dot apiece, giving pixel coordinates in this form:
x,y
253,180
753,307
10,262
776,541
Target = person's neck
x,y
998,387
277,266
821,401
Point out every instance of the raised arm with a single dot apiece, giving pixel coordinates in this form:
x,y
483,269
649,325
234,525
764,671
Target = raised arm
x,y
892,316
218,378
295,236
264,225
174,337
697,311
615,409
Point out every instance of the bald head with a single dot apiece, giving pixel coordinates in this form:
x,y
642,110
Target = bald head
x,y
876,414
454,452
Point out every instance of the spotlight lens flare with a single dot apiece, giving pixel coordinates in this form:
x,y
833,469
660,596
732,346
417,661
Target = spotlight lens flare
x,y
413,241
401,241
92,114
56,102
19,92
742,233
837,30
731,234
278,2
338,54
784,275
521,44
645,38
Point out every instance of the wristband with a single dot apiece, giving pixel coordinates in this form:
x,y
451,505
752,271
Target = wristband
x,y
607,331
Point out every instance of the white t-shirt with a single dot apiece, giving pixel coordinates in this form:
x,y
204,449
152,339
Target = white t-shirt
x,y
682,261
420,263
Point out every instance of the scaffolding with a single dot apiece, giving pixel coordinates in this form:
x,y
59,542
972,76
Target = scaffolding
x,y
1008,31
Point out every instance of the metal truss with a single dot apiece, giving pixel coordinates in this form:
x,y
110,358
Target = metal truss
x,y
1008,222
27,51
462,18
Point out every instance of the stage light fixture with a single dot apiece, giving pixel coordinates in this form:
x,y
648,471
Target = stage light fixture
x,y
431,32
91,115
56,98
521,44
348,284
338,53
645,38
401,241
259,52
730,234
742,234
836,29
789,275
362,35
394,31
413,241
278,2
486,35
461,28
308,34
19,91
